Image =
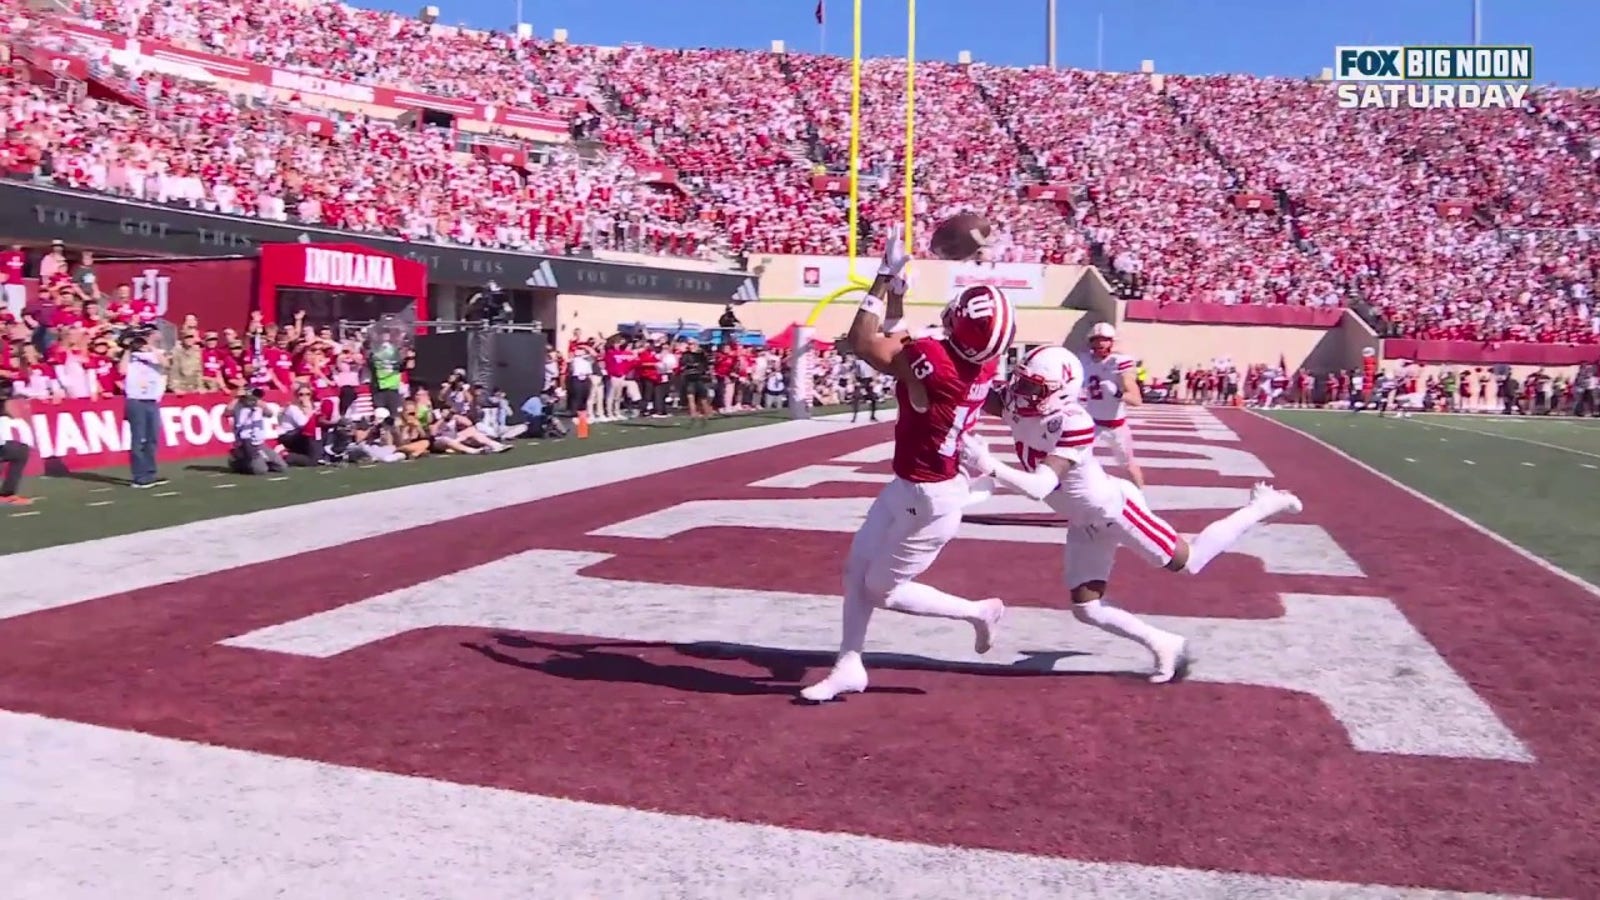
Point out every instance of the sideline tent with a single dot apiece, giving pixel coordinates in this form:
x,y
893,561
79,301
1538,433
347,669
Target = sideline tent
x,y
784,340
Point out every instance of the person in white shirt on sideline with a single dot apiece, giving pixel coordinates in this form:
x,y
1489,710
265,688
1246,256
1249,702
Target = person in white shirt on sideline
x,y
144,370
580,371
373,441
494,414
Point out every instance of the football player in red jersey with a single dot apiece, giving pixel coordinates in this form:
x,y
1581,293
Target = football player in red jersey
x,y
942,379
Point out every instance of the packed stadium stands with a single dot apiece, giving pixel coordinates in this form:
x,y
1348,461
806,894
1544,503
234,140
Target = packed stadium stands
x,y
1467,224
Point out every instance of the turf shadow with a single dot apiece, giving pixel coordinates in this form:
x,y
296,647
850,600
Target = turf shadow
x,y
589,662
786,669
61,471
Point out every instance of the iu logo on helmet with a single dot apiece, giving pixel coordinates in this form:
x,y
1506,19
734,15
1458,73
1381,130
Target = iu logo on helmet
x,y
979,324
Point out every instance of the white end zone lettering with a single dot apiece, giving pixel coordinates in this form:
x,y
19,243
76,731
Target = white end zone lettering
x,y
1338,649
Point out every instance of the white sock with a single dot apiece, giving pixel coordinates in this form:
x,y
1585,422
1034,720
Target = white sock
x,y
1220,535
858,609
922,600
1119,622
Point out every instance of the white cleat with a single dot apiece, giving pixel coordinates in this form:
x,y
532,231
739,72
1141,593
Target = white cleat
x,y
1172,660
1274,500
988,624
849,676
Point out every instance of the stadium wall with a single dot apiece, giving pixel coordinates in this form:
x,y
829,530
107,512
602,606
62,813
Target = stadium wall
x,y
1161,345
1055,304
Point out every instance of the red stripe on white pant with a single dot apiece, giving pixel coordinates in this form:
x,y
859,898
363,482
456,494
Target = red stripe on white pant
x,y
1150,527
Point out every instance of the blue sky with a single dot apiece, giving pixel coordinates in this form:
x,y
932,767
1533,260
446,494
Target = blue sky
x,y
1264,37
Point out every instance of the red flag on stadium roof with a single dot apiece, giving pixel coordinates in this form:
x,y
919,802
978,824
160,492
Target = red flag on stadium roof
x,y
819,11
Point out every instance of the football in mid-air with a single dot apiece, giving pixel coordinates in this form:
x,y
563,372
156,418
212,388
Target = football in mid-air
x,y
960,237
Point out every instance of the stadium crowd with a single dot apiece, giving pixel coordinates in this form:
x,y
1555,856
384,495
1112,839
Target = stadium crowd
x,y
1466,224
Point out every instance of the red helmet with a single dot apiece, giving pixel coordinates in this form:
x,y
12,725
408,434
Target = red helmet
x,y
979,323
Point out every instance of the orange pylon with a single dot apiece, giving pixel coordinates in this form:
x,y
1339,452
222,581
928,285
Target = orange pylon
x,y
583,425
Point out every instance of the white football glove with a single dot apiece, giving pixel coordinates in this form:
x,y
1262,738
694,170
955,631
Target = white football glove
x,y
895,255
975,456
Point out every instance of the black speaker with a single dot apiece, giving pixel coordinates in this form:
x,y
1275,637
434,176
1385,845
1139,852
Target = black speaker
x,y
515,363
512,360
438,355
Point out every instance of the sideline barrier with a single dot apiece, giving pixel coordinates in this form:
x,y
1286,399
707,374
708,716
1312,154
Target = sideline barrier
x,y
1242,314
1477,353
69,435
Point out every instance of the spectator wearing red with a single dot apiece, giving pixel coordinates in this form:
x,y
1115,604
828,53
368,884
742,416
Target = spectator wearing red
x,y
621,366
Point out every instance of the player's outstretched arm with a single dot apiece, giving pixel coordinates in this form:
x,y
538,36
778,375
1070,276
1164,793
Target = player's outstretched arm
x,y
1131,394
1037,484
876,334
867,338
995,403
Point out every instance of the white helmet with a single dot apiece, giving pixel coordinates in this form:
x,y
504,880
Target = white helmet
x,y
1102,331
1046,381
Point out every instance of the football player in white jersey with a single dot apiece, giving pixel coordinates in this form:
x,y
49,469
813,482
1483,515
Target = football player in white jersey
x,y
1110,386
1054,441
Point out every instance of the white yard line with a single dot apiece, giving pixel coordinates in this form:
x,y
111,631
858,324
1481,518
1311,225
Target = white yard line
x,y
1526,554
95,812
147,558
1507,437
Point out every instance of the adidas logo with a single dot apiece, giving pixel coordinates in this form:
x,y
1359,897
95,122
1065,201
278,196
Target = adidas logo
x,y
543,277
748,292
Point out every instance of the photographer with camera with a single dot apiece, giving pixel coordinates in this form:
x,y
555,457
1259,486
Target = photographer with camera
x,y
13,454
144,372
251,455
305,424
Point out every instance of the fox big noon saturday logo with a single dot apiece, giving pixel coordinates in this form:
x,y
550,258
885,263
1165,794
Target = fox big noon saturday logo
x,y
1432,77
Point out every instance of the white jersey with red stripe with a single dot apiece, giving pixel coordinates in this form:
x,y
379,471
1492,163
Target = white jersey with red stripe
x,y
1102,387
1102,512
1086,491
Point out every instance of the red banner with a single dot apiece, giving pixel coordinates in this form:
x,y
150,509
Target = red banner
x,y
217,292
1453,209
556,119
92,434
502,154
1477,353
1255,202
1050,192
45,65
830,184
312,124
1226,314
652,173
339,267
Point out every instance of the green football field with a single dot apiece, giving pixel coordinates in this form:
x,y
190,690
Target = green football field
x,y
1532,480
94,504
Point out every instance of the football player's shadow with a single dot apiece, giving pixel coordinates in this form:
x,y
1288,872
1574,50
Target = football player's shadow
x,y
610,661
786,670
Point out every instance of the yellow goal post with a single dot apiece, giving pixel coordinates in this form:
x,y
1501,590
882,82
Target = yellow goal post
x,y
855,280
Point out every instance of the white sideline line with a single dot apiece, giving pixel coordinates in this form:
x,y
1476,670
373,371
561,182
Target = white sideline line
x,y
1508,437
1523,552
248,538
93,812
